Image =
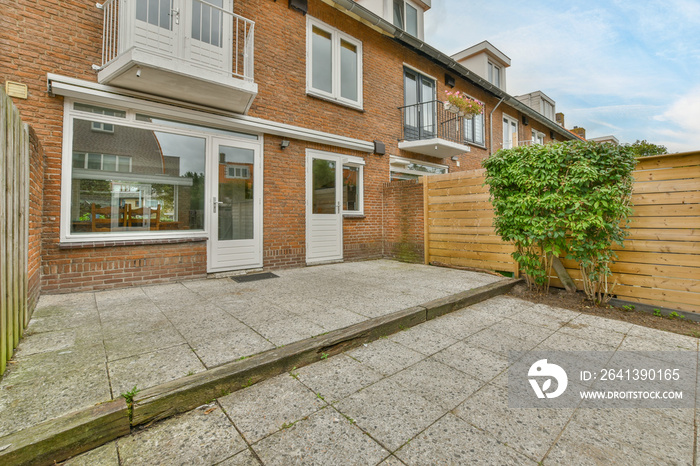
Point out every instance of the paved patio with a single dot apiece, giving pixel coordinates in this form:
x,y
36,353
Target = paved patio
x,y
85,348
433,394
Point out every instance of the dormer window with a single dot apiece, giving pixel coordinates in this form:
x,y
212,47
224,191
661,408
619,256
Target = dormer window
x,y
495,75
406,17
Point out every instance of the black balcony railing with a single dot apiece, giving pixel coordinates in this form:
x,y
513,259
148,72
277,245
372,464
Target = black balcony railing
x,y
429,120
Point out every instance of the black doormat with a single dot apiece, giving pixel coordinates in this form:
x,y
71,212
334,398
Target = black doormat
x,y
253,277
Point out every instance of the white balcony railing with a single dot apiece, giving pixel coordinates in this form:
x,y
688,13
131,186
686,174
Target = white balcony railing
x,y
204,35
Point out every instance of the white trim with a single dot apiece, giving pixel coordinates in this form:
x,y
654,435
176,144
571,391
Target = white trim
x,y
397,164
336,37
417,70
112,96
513,143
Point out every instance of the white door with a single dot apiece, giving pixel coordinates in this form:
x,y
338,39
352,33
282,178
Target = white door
x,y
157,25
510,132
209,34
235,205
324,219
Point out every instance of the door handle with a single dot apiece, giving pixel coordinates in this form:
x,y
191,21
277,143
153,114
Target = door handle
x,y
176,14
216,204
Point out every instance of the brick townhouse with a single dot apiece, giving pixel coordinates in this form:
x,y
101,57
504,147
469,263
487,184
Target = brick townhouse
x,y
184,137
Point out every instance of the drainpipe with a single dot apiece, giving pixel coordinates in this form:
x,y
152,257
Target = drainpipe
x,y
491,126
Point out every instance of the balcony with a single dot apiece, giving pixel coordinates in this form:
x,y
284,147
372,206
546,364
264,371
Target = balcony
x,y
189,50
429,129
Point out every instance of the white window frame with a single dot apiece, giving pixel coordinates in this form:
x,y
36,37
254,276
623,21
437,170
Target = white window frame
x,y
69,113
120,159
472,121
356,162
396,163
494,74
537,135
513,143
245,172
336,37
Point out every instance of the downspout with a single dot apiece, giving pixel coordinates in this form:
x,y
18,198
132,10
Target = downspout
x,y
491,125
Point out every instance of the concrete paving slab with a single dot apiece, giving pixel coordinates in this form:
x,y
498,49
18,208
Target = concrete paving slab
x,y
532,317
204,436
499,342
390,413
531,431
589,446
392,461
337,377
269,406
671,439
472,360
452,441
523,331
438,383
324,438
131,344
566,342
582,330
385,356
151,369
37,399
333,318
603,323
285,331
220,348
462,323
106,455
423,340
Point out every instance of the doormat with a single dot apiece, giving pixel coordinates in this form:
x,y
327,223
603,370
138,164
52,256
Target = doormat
x,y
253,277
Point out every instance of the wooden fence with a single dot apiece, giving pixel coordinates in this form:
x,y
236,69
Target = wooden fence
x,y
14,228
659,264
459,223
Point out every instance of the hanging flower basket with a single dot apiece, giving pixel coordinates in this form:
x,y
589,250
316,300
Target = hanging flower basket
x,y
463,105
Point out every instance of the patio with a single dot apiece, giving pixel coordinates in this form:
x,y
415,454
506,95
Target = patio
x,y
82,349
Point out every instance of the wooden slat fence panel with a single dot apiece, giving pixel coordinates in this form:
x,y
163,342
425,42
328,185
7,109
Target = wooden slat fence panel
x,y
14,228
659,265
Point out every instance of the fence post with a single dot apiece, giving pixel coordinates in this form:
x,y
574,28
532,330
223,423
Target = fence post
x,y
426,238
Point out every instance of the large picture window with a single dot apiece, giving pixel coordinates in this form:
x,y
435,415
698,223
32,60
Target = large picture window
x,y
133,179
334,64
474,129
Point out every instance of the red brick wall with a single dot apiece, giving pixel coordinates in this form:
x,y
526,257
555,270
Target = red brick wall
x,y
403,221
37,162
65,37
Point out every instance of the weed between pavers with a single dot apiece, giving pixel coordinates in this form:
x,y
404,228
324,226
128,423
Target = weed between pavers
x,y
129,397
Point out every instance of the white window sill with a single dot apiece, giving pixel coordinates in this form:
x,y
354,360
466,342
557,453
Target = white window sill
x,y
353,215
331,100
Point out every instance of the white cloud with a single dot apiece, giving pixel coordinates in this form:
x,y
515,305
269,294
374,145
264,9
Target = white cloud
x,y
682,119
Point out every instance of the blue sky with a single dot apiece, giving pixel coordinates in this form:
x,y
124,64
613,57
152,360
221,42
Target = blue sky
x,y
621,67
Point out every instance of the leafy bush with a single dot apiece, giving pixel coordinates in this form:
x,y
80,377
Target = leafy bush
x,y
570,198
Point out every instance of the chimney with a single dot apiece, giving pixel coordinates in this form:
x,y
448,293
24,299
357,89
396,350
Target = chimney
x,y
581,132
559,118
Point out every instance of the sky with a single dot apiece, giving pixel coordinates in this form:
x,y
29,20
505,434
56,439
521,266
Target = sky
x,y
630,68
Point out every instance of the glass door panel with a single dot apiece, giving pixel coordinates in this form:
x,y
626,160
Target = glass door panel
x,y
236,188
324,187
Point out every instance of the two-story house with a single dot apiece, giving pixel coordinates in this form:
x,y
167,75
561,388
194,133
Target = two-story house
x,y
245,135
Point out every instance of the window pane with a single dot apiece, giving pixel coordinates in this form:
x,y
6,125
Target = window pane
x,y
99,110
109,163
196,20
206,23
324,186
411,20
79,160
165,7
348,71
236,193
159,185
153,12
398,13
479,129
351,178
94,161
321,60
142,10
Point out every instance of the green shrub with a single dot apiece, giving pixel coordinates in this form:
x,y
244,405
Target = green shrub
x,y
570,198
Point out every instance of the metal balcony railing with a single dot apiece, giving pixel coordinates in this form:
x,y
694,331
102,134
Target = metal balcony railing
x,y
212,37
430,120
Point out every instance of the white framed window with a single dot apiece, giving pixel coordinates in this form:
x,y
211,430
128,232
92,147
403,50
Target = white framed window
x,y
105,162
334,64
495,74
237,172
510,132
353,185
474,130
537,137
102,127
406,17
410,169
547,109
